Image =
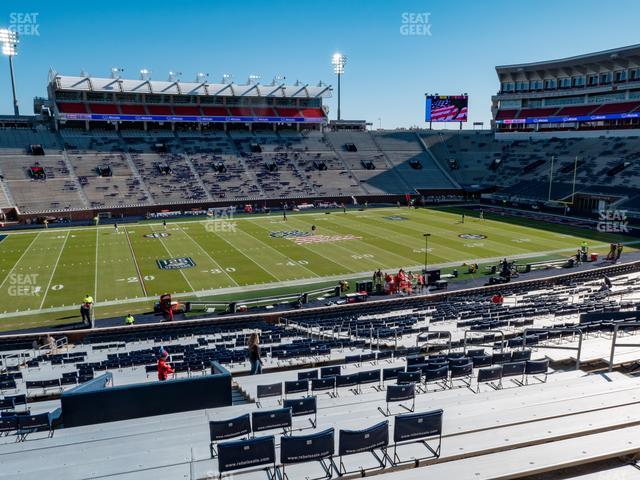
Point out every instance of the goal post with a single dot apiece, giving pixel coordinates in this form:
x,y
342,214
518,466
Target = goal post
x,y
563,200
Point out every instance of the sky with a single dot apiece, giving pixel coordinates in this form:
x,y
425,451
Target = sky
x,y
396,50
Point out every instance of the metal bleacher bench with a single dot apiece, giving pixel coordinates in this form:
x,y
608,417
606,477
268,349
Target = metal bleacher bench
x,y
533,460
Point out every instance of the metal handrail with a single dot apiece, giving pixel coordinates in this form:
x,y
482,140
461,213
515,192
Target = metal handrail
x,y
23,357
502,341
446,333
614,344
576,330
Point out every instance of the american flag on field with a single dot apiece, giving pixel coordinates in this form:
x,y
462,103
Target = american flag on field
x,y
445,110
323,239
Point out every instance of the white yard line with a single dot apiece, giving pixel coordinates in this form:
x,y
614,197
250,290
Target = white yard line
x,y
95,278
135,263
55,267
302,282
19,260
289,259
171,255
308,248
210,257
266,270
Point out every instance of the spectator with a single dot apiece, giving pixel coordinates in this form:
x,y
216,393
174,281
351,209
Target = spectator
x,y
164,369
254,354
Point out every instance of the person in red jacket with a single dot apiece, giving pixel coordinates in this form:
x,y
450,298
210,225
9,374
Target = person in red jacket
x,y
164,369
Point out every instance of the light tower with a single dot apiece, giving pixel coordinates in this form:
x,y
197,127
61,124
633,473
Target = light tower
x,y
9,41
338,61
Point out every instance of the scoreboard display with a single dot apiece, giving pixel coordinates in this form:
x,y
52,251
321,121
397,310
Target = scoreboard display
x,y
446,108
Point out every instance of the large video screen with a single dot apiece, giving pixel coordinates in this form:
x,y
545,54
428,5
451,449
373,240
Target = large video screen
x,y
447,108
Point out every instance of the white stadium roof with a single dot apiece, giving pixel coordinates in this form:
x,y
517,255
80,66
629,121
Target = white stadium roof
x,y
121,85
616,58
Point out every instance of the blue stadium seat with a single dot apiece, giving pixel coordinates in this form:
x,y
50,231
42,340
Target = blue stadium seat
x,y
220,430
317,447
367,441
248,454
417,428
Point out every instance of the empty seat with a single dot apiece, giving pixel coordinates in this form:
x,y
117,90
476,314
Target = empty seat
x,y
220,430
417,428
317,447
366,441
244,454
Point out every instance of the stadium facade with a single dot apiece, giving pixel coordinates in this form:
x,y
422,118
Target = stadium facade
x,y
594,91
133,147
125,103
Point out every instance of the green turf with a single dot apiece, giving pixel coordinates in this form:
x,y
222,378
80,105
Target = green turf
x,y
54,268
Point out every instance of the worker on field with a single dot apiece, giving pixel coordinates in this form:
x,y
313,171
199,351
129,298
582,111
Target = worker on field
x,y
462,219
96,220
129,320
481,214
164,224
85,309
619,249
115,225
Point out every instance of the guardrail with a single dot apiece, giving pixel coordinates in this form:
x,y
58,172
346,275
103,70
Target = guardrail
x,y
427,343
575,330
23,357
614,344
502,340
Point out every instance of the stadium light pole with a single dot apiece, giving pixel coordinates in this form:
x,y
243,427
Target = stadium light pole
x,y
338,61
426,250
9,40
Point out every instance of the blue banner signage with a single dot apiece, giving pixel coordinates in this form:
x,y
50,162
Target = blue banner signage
x,y
180,118
577,118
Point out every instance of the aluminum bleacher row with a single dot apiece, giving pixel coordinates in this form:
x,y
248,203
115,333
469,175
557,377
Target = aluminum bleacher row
x,y
213,166
333,402
514,422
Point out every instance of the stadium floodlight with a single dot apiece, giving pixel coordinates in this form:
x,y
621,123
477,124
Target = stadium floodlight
x,y
426,250
9,41
145,74
116,71
202,77
253,79
338,61
278,79
174,76
227,78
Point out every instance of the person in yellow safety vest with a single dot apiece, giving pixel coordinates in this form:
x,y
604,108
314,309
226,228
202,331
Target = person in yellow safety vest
x,y
88,299
584,246
129,320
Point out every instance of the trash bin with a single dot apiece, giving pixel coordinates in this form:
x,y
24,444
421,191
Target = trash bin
x,y
594,257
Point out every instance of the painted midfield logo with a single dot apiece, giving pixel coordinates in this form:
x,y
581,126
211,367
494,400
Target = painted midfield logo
x,y
396,217
157,235
290,234
175,263
472,236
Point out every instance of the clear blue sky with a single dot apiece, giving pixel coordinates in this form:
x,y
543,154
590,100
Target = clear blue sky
x,y
387,73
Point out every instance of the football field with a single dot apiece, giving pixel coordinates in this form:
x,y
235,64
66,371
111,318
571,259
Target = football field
x,y
50,270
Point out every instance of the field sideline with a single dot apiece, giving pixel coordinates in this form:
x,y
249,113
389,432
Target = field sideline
x,y
53,269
